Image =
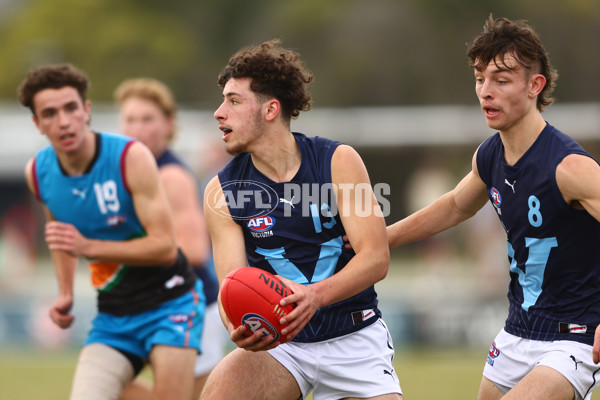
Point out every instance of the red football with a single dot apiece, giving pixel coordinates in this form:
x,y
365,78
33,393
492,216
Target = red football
x,y
251,296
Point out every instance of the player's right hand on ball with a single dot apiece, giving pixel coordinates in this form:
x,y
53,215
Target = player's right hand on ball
x,y
307,303
60,312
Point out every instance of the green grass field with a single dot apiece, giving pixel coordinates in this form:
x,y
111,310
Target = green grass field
x,y
425,374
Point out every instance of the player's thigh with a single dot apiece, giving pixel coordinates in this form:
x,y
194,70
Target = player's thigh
x,y
173,369
488,390
250,376
137,390
199,383
542,383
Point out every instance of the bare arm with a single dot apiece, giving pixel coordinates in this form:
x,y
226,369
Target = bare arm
x,y
229,253
229,248
156,248
461,203
65,266
365,230
190,228
578,179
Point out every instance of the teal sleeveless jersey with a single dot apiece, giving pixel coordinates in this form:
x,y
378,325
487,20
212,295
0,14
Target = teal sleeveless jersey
x,y
98,203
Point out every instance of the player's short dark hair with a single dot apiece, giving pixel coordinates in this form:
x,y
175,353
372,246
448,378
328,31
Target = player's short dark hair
x,y
51,77
501,37
275,72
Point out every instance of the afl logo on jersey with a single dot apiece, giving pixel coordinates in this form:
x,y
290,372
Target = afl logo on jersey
x,y
260,224
495,196
115,220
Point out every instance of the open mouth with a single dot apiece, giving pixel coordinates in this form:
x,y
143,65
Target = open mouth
x,y
226,131
490,112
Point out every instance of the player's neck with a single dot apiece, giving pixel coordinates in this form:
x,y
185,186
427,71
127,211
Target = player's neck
x,y
521,136
278,158
77,162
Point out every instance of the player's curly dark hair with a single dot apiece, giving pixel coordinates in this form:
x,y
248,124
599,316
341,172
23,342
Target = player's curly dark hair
x,y
275,73
501,37
52,77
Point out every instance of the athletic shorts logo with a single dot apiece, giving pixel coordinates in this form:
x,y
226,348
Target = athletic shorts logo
x,y
179,318
260,224
176,280
492,354
495,196
256,323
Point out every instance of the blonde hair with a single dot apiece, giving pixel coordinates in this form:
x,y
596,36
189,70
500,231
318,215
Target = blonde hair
x,y
152,90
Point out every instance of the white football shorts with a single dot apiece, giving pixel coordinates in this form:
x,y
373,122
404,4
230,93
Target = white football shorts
x,y
511,358
214,340
354,365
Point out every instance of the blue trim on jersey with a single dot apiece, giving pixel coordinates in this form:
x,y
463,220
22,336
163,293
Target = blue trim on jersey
x,y
552,248
100,206
292,229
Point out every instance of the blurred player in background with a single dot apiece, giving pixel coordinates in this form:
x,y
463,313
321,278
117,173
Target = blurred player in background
x,y
545,190
340,346
148,114
104,201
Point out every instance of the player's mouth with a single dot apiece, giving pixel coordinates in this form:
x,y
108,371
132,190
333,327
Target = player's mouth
x,y
490,112
67,138
226,132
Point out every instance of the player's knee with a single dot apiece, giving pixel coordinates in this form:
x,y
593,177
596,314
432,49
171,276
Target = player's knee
x,y
102,372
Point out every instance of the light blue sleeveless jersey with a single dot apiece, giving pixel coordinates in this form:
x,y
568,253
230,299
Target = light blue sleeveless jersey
x,y
97,202
99,205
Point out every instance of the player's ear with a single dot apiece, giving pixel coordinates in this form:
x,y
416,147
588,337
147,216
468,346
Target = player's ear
x,y
87,108
537,82
35,121
272,109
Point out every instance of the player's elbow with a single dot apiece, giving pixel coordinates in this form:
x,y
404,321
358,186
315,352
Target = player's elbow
x,y
384,265
170,256
165,252
381,261
196,255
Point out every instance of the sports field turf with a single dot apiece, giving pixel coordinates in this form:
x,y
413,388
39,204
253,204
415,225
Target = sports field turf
x,y
425,374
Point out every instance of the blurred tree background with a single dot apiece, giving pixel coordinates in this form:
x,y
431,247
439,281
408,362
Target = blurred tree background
x,y
362,52
387,56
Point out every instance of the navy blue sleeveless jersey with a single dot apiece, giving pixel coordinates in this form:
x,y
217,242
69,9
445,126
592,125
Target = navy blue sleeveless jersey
x,y
99,205
553,249
293,229
206,272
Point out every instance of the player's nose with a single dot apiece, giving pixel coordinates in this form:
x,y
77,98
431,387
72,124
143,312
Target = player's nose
x,y
219,113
